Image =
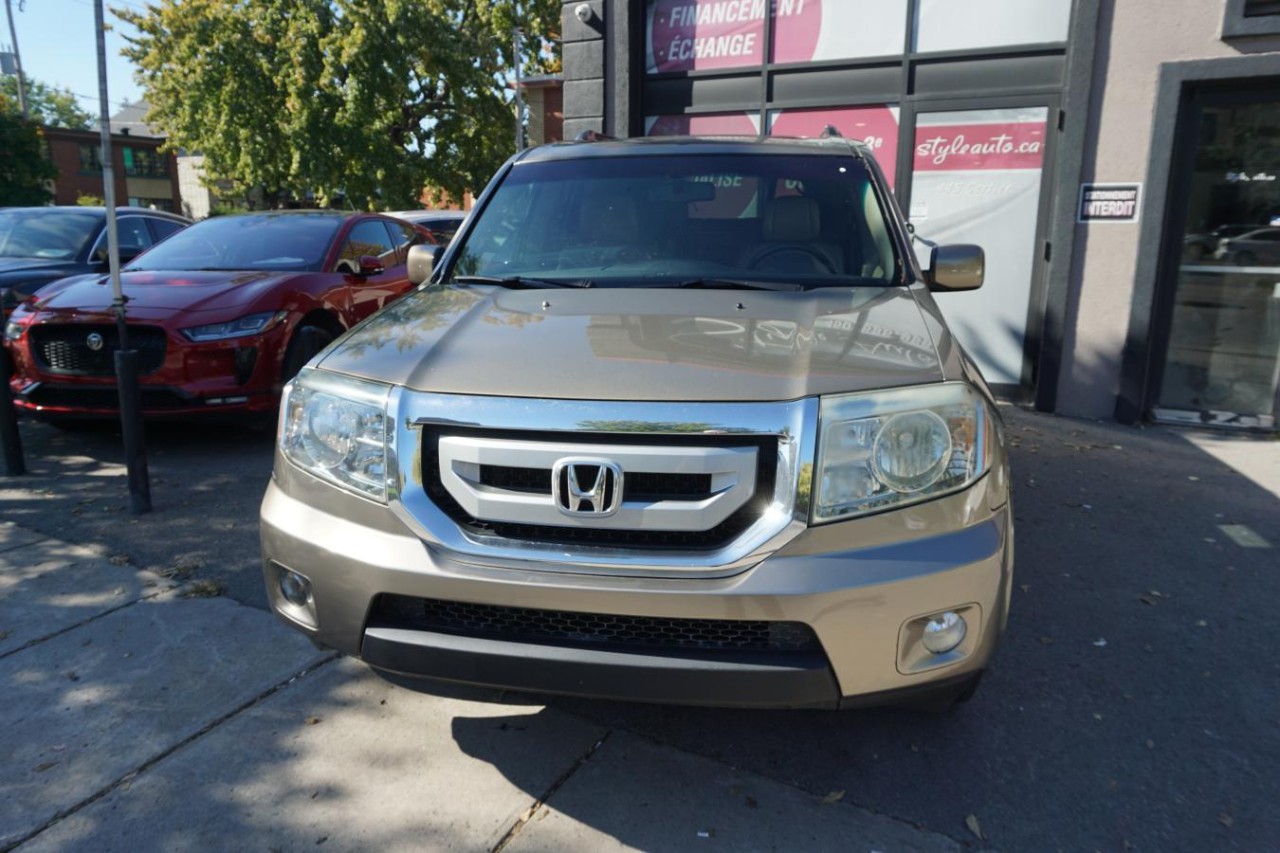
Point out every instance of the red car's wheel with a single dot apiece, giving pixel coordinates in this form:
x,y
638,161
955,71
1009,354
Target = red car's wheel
x,y
306,342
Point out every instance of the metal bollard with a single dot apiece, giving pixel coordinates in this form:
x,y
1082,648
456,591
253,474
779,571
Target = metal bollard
x,y
9,436
135,452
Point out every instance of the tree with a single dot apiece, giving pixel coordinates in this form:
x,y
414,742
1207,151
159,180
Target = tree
x,y
25,168
364,100
45,104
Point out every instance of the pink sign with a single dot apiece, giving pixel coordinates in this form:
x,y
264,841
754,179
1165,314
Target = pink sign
x,y
796,26
962,147
693,35
876,126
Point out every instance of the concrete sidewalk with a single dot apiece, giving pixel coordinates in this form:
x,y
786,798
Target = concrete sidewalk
x,y
140,714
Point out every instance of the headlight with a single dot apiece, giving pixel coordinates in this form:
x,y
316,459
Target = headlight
x,y
336,428
889,448
250,324
13,330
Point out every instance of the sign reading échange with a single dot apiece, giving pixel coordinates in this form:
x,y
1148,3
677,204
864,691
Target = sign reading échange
x,y
1109,202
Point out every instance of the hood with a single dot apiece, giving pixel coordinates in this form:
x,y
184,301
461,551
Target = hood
x,y
8,265
157,295
644,344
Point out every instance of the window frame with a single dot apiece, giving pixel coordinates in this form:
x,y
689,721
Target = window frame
x,y
1236,24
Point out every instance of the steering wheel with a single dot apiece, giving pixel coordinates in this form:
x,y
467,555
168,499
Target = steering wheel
x,y
820,260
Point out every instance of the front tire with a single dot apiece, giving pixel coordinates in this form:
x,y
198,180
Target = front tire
x,y
306,342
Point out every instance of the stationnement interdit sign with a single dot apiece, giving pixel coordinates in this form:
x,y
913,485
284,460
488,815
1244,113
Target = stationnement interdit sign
x,y
1108,202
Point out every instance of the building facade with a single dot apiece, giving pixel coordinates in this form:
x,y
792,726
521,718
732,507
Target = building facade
x,y
144,175
1115,160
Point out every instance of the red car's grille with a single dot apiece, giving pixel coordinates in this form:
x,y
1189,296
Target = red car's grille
x,y
71,351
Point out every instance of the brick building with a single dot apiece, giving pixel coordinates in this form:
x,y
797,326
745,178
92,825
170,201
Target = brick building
x,y
144,175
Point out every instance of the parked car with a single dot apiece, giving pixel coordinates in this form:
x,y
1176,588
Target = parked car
x,y
442,224
43,244
222,313
1259,246
674,421
1196,247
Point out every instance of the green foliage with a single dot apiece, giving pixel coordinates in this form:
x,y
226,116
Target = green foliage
x,y
368,100
46,105
86,200
25,168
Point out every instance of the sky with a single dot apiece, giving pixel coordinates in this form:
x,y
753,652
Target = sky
x,y
56,38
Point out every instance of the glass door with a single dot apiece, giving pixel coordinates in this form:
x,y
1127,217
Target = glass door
x,y
1222,356
978,177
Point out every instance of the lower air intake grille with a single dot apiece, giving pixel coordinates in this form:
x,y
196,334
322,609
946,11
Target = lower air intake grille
x,y
565,628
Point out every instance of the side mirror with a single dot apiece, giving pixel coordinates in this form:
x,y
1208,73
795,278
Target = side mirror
x,y
370,265
955,268
421,263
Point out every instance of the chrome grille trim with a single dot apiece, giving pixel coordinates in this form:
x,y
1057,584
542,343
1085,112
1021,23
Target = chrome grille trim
x,y
732,470
793,424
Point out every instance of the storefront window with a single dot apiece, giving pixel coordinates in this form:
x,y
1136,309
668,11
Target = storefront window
x,y
718,124
697,35
876,125
972,24
976,179
1223,359
814,31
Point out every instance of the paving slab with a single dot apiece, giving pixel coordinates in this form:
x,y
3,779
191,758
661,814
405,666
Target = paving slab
x,y
345,760
83,709
634,794
12,536
47,586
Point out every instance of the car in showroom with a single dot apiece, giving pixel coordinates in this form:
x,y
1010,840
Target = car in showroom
x,y
1258,247
221,314
39,245
675,420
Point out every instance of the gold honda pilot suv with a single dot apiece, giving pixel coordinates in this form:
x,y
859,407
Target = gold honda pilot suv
x,y
672,420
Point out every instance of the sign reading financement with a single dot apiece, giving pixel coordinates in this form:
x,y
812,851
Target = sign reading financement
x,y
1109,202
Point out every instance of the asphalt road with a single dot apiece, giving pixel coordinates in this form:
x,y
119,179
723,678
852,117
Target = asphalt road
x,y
1134,704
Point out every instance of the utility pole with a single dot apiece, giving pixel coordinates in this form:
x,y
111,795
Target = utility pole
x,y
126,359
17,60
519,94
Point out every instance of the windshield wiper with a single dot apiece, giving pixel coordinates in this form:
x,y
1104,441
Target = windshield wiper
x,y
517,281
738,284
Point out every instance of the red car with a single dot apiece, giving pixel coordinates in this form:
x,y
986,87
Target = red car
x,y
222,314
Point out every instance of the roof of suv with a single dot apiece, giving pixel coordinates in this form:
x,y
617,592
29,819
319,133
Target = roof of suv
x,y
672,145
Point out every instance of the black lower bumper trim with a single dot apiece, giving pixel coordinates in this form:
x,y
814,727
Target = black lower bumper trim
x,y
762,681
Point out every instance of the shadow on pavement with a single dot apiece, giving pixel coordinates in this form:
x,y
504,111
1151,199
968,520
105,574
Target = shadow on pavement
x,y
1133,700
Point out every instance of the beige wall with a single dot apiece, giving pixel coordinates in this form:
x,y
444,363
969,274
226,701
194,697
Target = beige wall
x,y
1134,38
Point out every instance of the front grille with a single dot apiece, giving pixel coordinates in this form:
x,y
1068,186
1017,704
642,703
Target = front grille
x,y
65,350
590,630
104,398
636,486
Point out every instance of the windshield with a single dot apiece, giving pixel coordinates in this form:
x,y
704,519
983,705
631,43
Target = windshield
x,y
249,242
639,221
52,235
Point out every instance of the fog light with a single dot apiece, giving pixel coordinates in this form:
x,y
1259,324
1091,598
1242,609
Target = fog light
x,y
944,633
297,590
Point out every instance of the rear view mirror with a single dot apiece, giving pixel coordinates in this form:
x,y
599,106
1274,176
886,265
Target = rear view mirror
x,y
955,268
687,190
421,263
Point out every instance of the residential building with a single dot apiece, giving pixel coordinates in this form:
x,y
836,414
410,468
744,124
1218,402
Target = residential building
x,y
145,176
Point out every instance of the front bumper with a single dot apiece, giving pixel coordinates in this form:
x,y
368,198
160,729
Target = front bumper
x,y
859,585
